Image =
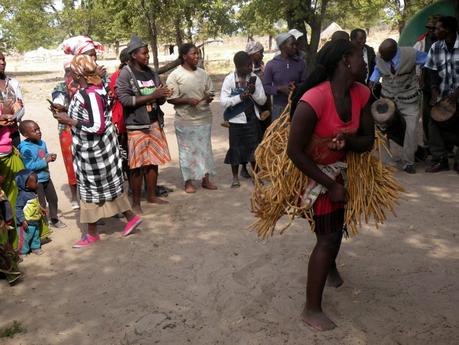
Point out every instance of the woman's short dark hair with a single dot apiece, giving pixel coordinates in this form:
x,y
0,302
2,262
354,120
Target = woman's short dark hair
x,y
340,35
185,49
449,23
241,59
327,61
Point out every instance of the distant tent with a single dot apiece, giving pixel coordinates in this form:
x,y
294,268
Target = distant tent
x,y
328,32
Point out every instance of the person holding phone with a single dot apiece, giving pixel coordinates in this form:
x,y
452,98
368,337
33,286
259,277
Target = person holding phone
x,y
242,94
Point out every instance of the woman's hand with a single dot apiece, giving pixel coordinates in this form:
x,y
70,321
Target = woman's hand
x,y
161,91
64,118
337,192
209,97
193,101
101,71
338,143
57,108
246,94
7,120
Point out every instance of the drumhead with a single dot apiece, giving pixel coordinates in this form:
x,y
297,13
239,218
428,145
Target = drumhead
x,y
383,110
443,111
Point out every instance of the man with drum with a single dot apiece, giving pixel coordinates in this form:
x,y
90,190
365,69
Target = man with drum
x,y
397,67
443,66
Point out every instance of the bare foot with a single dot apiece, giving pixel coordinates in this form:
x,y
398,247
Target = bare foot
x,y
317,320
156,200
206,184
189,187
334,279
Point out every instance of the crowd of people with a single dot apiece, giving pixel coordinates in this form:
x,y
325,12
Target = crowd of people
x,y
111,130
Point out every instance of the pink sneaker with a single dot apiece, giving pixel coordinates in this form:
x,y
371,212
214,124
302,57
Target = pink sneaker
x,y
131,225
86,240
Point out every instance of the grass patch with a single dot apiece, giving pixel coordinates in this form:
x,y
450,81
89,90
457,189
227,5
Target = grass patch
x,y
11,330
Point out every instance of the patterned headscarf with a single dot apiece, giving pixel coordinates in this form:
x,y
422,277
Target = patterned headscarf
x,y
85,66
253,47
79,45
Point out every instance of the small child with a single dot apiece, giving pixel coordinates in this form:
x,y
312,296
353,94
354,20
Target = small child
x,y
29,213
35,156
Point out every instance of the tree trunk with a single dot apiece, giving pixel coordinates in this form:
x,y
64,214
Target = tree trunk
x,y
152,30
189,24
154,43
270,42
178,32
297,18
117,48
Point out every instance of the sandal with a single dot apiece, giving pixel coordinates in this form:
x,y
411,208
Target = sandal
x,y
235,184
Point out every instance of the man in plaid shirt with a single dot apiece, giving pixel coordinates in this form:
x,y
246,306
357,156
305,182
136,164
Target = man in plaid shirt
x,y
443,66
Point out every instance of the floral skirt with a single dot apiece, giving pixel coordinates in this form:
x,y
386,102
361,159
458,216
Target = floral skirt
x,y
195,151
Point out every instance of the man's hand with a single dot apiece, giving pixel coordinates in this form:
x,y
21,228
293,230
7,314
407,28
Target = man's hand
x,y
285,89
372,85
25,226
434,97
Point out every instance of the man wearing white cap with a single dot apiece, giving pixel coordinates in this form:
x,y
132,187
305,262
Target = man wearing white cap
x,y
283,72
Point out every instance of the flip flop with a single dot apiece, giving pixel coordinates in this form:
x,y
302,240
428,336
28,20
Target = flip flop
x,y
235,185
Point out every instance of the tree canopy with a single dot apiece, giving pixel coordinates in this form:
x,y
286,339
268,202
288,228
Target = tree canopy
x,y
29,24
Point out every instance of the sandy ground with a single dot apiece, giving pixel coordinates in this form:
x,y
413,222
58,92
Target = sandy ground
x,y
194,274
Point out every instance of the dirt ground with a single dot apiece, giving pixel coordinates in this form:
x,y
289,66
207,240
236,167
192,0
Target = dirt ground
x,y
194,274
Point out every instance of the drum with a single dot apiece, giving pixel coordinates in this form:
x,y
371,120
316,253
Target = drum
x,y
388,119
443,111
383,111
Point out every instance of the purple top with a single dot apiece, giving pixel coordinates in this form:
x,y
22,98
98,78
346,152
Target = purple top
x,y
280,71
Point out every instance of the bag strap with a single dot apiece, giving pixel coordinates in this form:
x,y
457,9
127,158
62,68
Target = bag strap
x,y
133,80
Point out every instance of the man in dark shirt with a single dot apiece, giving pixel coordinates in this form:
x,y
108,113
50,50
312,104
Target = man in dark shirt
x,y
359,37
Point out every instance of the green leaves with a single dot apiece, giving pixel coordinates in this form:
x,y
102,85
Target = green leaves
x,y
29,24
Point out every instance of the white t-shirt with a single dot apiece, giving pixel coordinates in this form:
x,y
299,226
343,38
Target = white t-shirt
x,y
191,84
227,100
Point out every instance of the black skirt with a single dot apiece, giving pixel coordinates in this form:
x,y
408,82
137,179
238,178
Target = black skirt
x,y
243,140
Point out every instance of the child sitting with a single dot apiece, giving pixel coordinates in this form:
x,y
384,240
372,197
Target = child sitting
x,y
29,213
242,94
35,156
